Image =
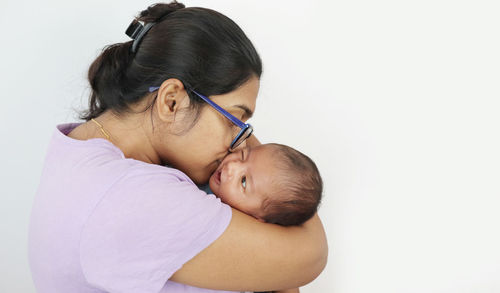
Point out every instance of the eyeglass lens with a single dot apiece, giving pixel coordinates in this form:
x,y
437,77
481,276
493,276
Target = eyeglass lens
x,y
242,135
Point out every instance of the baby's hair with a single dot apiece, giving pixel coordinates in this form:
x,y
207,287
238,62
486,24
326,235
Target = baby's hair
x,y
300,188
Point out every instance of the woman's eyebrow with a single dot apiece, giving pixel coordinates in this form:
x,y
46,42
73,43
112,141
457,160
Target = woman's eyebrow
x,y
248,112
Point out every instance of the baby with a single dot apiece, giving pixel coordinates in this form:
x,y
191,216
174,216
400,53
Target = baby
x,y
272,182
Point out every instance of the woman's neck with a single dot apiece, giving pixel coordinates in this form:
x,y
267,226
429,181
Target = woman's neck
x,y
131,133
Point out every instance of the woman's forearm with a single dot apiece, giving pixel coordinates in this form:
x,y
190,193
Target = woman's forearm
x,y
255,256
318,253
294,290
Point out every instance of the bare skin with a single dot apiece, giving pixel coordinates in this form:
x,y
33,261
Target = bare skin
x,y
249,255
294,290
244,177
242,180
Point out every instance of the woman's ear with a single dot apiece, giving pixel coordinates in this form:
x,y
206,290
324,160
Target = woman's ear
x,y
172,97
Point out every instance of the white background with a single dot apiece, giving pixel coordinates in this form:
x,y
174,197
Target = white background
x,y
397,101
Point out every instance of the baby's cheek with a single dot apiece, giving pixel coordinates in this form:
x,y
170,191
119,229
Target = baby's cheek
x,y
224,193
231,196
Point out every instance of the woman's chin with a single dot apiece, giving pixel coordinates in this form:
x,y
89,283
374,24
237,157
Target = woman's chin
x,y
199,178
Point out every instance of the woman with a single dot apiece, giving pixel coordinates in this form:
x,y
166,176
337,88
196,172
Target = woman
x,y
109,217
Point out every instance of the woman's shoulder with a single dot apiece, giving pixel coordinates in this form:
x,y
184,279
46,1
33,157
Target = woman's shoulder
x,y
150,222
95,169
153,174
98,155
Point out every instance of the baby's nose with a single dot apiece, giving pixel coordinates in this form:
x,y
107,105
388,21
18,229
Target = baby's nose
x,y
233,157
232,168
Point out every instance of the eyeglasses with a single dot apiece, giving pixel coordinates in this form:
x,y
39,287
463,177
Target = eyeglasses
x,y
246,129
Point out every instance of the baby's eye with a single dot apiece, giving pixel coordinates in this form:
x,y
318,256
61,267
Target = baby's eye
x,y
244,181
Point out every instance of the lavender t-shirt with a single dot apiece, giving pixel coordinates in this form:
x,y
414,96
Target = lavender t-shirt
x,y
105,223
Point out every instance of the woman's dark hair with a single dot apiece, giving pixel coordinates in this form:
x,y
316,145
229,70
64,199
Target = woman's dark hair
x,y
204,49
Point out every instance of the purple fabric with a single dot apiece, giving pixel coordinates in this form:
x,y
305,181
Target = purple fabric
x,y
104,223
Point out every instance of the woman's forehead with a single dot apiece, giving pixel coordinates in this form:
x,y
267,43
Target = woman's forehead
x,y
243,98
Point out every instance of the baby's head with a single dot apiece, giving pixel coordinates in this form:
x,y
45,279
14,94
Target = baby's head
x,y
272,182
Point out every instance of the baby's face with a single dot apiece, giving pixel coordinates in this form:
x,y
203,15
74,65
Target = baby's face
x,y
244,178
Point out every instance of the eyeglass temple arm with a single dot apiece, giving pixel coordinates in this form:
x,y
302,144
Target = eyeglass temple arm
x,y
222,111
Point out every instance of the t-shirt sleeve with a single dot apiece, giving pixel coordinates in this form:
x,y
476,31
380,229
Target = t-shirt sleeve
x,y
144,229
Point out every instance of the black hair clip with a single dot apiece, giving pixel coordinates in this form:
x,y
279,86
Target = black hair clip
x,y
136,31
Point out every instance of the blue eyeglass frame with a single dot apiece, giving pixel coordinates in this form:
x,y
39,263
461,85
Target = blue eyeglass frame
x,y
246,129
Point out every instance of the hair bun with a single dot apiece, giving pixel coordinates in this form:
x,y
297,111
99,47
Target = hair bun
x,y
158,10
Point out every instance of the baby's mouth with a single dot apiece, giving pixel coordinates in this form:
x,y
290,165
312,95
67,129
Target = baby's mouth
x,y
217,176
